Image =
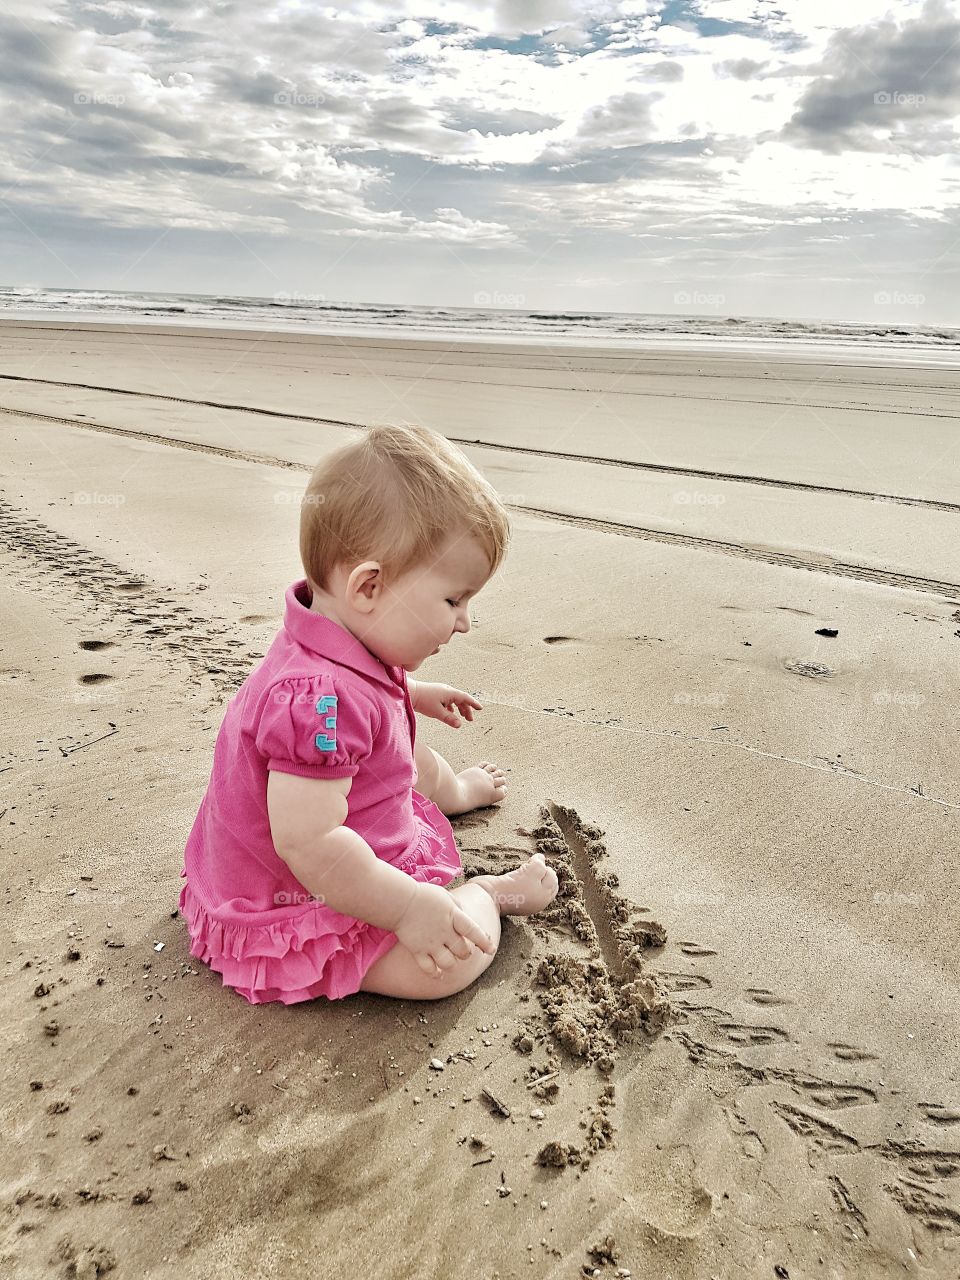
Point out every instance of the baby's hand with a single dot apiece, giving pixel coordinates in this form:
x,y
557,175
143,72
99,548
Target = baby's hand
x,y
443,702
437,932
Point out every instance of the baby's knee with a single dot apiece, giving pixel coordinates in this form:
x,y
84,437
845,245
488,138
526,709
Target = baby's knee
x,y
397,974
462,974
428,769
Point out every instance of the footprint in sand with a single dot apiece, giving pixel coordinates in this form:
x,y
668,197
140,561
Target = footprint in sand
x,y
760,995
937,1113
255,619
853,1219
850,1052
559,639
829,1094
826,1136
684,981
744,1033
96,646
695,949
95,677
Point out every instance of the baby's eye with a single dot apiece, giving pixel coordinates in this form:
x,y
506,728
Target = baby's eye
x,y
453,602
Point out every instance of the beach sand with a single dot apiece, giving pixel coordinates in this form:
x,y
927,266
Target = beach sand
x,y
729,1048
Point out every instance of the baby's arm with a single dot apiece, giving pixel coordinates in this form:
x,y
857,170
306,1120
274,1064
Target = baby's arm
x,y
330,860
339,867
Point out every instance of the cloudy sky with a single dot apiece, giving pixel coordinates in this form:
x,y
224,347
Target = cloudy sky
x,y
769,157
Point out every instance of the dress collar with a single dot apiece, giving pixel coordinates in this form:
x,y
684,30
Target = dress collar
x,y
320,634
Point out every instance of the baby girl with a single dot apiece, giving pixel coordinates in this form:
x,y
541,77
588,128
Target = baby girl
x,y
314,868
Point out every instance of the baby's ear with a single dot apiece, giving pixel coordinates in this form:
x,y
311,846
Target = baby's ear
x,y
364,582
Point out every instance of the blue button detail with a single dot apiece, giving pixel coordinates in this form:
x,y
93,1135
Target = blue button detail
x,y
327,707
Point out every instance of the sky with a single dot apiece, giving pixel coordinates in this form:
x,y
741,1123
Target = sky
x,y
794,158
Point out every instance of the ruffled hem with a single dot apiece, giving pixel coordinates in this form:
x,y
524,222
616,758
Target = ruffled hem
x,y
319,952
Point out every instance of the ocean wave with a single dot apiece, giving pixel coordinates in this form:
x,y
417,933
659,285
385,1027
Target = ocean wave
x,y
316,315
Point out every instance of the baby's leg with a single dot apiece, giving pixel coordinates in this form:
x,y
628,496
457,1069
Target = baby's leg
x,y
481,785
398,974
528,889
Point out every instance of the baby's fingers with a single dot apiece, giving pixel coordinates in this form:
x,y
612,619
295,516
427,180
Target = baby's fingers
x,y
467,927
428,965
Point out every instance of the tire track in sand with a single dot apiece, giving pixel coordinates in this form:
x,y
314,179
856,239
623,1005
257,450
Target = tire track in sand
x,y
623,464
744,550
149,617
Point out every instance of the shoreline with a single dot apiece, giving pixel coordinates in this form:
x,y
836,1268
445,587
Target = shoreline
x,y
804,349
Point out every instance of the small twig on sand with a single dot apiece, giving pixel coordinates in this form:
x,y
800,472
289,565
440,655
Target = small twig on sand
x,y
541,1079
66,751
495,1102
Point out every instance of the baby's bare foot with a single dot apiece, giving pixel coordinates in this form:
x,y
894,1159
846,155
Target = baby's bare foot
x,y
522,892
483,784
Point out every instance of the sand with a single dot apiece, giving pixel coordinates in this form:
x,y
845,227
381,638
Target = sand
x,y
729,1048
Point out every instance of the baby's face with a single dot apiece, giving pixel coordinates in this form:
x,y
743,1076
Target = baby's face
x,y
429,604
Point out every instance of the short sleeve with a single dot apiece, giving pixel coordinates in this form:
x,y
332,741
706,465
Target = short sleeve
x,y
316,727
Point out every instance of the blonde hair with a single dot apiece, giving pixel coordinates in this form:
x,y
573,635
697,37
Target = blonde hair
x,y
396,496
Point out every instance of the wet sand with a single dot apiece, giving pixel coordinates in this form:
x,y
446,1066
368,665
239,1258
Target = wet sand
x,y
727,1049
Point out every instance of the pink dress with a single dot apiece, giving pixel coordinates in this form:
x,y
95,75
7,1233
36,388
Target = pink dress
x,y
319,705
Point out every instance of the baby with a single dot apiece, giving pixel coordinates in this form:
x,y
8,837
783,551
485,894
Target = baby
x,y
314,868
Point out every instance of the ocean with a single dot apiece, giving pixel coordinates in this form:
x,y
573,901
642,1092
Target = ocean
x,y
311,313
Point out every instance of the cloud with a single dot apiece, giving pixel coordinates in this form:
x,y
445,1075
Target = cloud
x,y
468,115
494,129
885,87
739,68
450,226
664,70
